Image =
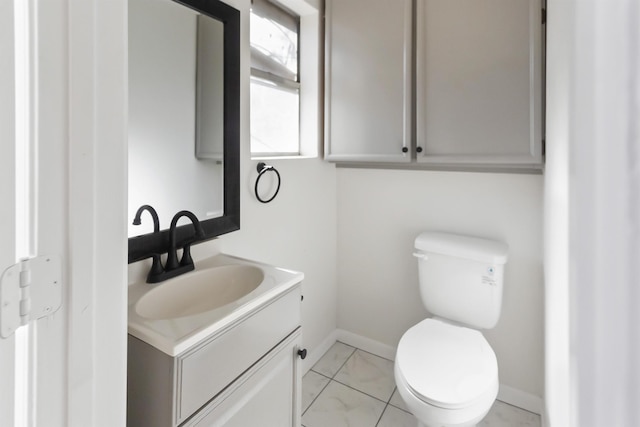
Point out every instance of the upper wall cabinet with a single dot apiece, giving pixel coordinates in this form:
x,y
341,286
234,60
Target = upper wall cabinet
x,y
477,102
368,80
479,82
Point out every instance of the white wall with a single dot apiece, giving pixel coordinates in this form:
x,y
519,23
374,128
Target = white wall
x,y
380,212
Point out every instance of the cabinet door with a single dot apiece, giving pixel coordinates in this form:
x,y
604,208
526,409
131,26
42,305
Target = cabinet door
x,y
267,395
479,82
368,80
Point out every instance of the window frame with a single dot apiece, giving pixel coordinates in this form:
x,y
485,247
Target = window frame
x,y
270,79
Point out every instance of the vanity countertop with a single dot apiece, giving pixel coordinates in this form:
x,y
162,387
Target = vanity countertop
x,y
176,335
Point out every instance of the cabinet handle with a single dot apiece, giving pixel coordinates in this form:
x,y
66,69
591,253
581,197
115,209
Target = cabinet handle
x,y
419,149
405,149
302,353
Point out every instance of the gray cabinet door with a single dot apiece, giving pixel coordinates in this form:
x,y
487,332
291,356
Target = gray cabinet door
x,y
479,82
368,80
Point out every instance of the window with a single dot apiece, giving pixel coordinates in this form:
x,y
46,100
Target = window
x,y
275,81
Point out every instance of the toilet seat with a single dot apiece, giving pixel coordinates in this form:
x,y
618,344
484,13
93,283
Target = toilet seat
x,y
447,366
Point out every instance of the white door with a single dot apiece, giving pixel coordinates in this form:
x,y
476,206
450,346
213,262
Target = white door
x,y
63,186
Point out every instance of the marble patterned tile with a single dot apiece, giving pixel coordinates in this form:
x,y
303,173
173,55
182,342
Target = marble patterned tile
x,y
394,417
341,406
333,359
369,374
312,384
505,415
396,400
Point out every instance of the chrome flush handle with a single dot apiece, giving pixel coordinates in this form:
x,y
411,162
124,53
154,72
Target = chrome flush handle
x,y
421,255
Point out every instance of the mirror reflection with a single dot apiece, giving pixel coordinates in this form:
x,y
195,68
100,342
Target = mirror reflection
x,y
176,112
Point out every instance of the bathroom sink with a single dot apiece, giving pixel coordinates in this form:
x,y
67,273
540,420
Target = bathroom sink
x,y
199,291
180,313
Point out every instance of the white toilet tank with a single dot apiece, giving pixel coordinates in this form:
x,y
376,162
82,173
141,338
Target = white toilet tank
x,y
461,277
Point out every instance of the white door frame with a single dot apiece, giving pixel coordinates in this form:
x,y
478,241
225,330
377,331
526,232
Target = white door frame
x,y
7,190
605,212
78,81
592,214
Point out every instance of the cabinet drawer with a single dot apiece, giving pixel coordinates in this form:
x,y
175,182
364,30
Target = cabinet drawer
x,y
205,371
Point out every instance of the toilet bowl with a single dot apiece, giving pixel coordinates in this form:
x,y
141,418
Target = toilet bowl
x,y
445,370
446,374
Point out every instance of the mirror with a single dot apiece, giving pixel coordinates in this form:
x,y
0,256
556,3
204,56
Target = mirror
x,y
184,119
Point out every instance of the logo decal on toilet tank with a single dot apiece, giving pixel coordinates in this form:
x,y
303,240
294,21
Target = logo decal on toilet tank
x,y
487,278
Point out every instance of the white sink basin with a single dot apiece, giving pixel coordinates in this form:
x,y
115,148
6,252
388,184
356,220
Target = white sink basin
x,y
176,315
199,291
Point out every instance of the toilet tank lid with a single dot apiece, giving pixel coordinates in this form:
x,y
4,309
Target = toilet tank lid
x,y
467,247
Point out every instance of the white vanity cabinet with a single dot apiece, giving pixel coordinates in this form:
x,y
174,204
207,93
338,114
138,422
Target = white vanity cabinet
x,y
477,67
247,373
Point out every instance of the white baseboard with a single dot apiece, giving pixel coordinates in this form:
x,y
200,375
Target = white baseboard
x,y
507,394
521,399
366,344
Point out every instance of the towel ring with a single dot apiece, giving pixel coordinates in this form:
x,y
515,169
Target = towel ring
x,y
262,169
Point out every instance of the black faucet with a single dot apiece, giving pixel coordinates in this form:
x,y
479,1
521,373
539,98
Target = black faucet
x,y
156,266
172,268
154,216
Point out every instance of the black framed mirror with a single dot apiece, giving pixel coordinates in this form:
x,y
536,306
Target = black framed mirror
x,y
207,121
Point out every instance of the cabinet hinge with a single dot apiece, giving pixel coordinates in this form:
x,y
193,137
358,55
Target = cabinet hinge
x,y
544,16
29,290
544,147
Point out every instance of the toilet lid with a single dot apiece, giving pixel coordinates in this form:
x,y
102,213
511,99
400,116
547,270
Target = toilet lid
x,y
445,365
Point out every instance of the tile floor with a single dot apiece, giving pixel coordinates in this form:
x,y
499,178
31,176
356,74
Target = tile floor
x,y
352,388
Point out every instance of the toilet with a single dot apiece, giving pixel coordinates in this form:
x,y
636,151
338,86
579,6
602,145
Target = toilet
x,y
445,370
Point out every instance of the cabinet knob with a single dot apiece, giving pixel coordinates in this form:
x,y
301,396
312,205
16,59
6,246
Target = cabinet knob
x,y
405,149
302,353
419,149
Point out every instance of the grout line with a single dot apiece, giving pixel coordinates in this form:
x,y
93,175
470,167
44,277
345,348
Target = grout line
x,y
360,391
353,388
387,406
341,366
389,402
317,396
394,390
517,407
400,409
368,352
380,417
330,379
320,373
345,361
